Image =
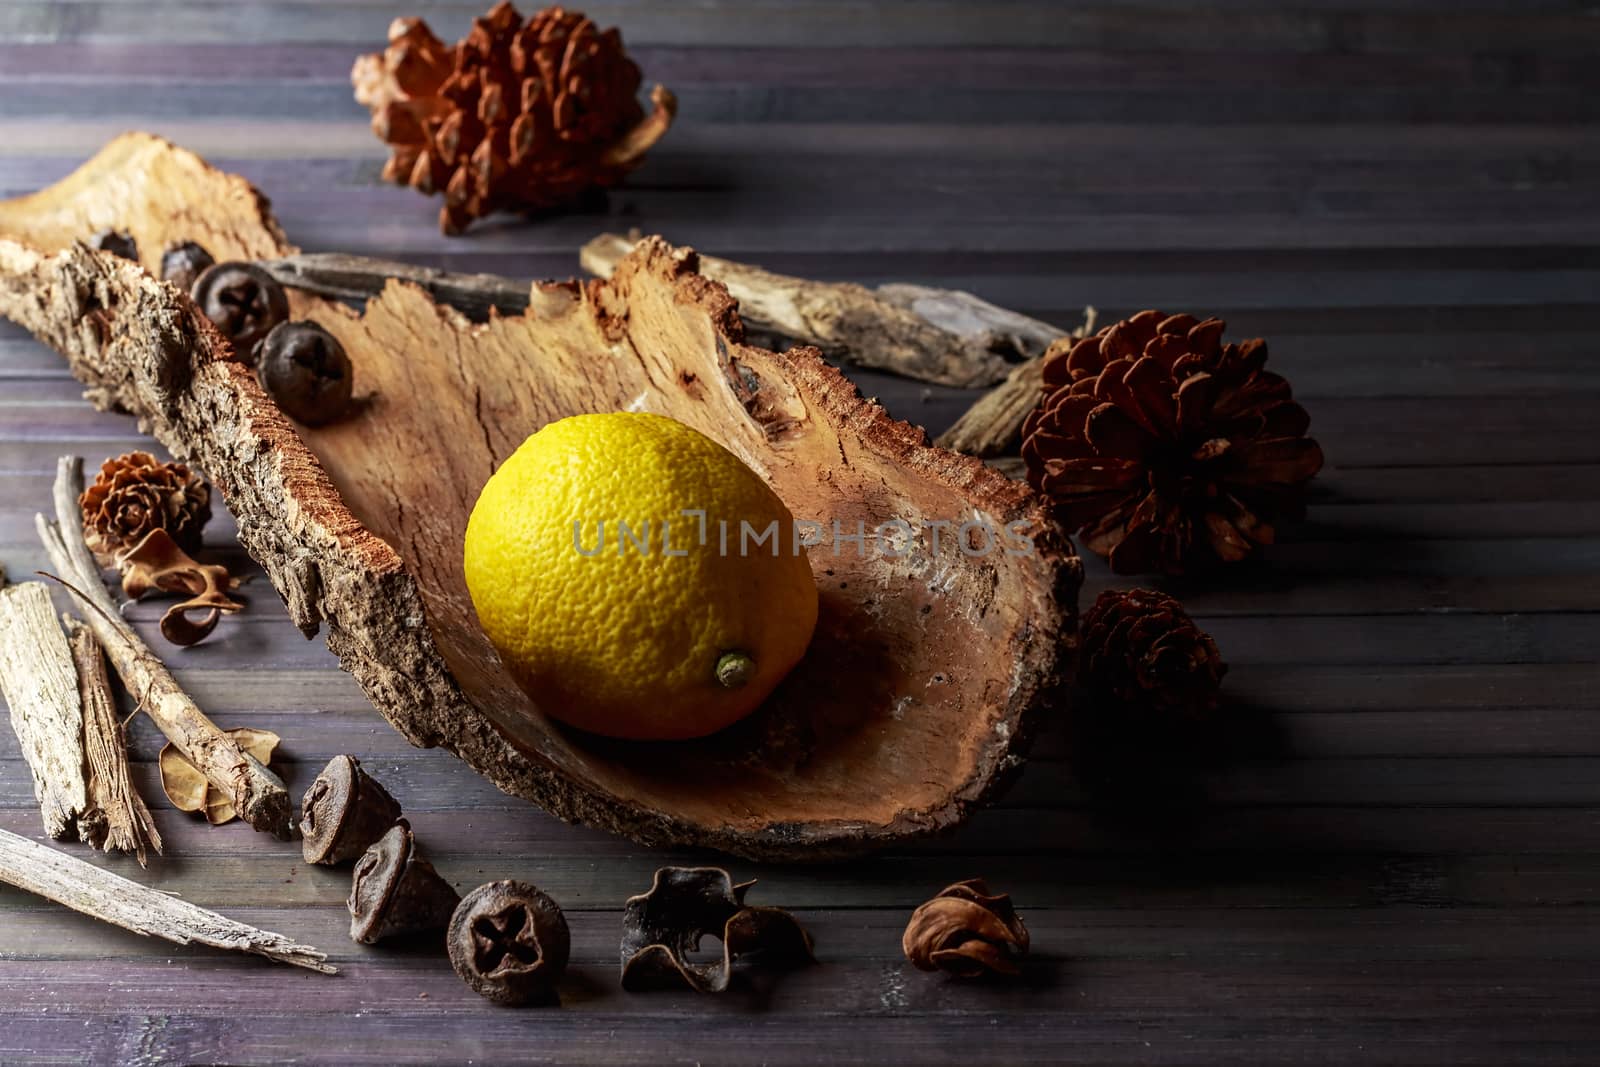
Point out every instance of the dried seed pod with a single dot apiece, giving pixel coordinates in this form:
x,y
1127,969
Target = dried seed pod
x,y
304,369
243,301
966,931
509,941
117,243
344,813
158,563
182,264
660,928
396,891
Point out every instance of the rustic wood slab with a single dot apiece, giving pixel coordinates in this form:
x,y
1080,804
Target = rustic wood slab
x,y
1403,865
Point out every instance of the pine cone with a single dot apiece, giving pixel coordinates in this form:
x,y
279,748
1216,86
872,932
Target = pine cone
x,y
518,116
1166,449
136,493
1140,649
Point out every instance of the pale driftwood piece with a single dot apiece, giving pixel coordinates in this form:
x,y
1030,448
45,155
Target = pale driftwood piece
x,y
124,823
928,672
992,426
41,688
942,336
111,898
343,277
259,795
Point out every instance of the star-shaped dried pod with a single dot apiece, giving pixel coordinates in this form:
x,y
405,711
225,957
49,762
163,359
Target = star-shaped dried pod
x,y
189,790
660,928
509,941
396,891
966,931
344,813
158,563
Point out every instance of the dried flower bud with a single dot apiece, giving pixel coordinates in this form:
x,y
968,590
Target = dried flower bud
x,y
344,812
135,493
396,891
243,301
966,931
509,941
117,243
184,263
662,927
305,370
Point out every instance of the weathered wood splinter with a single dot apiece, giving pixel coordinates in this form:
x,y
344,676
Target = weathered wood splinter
x,y
123,822
111,898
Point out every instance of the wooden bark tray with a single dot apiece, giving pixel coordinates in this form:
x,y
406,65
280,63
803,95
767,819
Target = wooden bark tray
x,y
927,673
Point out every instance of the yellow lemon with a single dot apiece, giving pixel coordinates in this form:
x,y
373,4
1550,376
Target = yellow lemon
x,y
637,578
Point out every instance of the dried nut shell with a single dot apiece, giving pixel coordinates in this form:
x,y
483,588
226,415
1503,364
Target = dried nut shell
x,y
344,813
396,891
189,790
966,931
509,941
662,927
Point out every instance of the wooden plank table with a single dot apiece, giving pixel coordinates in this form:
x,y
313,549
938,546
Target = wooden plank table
x,y
1403,866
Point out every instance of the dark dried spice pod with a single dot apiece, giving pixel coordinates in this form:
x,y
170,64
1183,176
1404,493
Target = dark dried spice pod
x,y
509,941
966,931
183,264
1166,449
1140,649
117,243
344,812
396,891
305,370
660,928
243,301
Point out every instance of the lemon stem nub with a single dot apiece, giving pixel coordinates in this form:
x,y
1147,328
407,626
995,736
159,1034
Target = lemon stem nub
x,y
735,670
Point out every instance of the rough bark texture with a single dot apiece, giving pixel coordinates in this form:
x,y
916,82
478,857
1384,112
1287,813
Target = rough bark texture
x,y
927,673
41,688
123,822
259,795
111,898
934,335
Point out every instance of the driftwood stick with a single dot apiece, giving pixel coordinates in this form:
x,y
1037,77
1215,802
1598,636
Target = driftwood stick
x,y
41,688
258,795
943,336
360,278
992,426
124,823
111,898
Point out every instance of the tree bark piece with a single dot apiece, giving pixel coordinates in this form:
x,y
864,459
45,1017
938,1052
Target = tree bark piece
x,y
929,670
99,894
124,823
41,687
943,336
259,795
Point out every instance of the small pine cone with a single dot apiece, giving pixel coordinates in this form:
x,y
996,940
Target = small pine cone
x,y
1165,449
1140,649
517,116
136,493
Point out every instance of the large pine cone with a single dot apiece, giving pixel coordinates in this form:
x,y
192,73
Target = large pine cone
x,y
1166,449
136,493
1140,649
518,116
